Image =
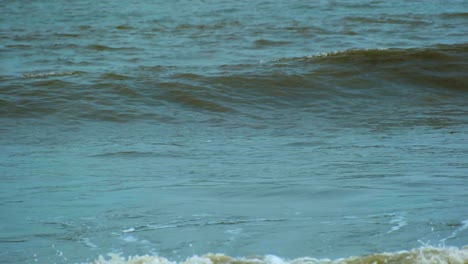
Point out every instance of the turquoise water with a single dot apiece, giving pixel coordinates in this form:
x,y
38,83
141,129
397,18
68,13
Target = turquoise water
x,y
264,130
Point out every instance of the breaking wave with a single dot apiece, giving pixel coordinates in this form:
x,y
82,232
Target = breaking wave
x,y
424,255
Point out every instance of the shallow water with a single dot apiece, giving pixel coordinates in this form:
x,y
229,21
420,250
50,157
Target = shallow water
x,y
322,130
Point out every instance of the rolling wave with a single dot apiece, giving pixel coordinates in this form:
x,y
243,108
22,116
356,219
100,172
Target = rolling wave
x,y
310,81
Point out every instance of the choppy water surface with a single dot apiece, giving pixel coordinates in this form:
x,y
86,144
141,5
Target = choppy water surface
x,y
268,131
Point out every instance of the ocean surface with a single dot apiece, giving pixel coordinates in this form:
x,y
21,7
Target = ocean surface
x,y
234,132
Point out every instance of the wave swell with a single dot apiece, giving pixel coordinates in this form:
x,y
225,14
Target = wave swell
x,y
354,77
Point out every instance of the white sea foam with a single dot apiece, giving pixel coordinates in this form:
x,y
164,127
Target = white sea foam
x,y
49,74
129,230
129,238
88,243
399,221
462,227
423,255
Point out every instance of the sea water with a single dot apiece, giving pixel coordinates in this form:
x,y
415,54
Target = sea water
x,y
234,131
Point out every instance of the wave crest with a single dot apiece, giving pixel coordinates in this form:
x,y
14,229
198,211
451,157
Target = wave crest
x,y
438,52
